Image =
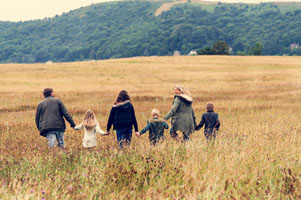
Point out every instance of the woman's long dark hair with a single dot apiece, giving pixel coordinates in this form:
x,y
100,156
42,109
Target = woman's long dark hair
x,y
122,96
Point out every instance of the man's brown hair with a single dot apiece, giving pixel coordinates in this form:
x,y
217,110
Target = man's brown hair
x,y
47,92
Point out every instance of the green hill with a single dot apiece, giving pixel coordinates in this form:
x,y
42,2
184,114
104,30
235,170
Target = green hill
x,y
131,28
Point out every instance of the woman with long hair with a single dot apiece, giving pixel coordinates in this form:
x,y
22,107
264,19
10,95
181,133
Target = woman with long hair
x,y
123,118
181,113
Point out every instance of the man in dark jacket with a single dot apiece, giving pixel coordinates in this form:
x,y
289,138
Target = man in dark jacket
x,y
50,119
211,121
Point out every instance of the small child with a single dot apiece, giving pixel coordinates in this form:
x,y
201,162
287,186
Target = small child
x,y
91,127
155,126
211,121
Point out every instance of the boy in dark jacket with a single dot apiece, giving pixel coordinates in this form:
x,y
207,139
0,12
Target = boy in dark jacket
x,y
211,121
155,126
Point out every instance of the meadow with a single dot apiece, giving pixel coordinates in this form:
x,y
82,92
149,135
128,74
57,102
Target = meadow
x,y
257,154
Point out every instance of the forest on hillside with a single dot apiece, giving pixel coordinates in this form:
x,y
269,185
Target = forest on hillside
x,y
130,28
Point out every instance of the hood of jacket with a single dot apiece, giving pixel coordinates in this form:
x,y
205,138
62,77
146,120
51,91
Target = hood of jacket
x,y
123,105
186,98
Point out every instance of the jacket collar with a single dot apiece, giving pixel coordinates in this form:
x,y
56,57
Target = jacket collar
x,y
185,97
121,104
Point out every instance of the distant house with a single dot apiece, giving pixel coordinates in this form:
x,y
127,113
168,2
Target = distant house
x,y
192,53
49,62
294,46
176,53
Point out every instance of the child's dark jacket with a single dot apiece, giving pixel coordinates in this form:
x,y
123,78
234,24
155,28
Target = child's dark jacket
x,y
122,116
156,127
211,121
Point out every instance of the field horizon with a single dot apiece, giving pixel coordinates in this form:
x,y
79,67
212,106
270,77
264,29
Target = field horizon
x,y
255,156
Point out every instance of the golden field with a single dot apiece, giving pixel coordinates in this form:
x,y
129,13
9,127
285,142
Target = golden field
x,y
257,154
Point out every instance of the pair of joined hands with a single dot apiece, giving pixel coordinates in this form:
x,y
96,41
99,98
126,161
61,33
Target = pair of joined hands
x,y
108,133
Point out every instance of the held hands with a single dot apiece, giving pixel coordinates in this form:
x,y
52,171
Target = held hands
x,y
107,133
137,134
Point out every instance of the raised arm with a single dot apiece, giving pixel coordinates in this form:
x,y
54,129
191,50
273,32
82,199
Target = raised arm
x,y
134,121
98,130
217,124
173,109
146,128
194,118
66,114
38,116
165,125
201,124
110,120
79,127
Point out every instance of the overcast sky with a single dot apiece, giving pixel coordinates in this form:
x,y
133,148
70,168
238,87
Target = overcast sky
x,y
22,10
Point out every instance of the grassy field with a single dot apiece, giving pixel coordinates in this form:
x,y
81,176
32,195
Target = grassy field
x,y
257,154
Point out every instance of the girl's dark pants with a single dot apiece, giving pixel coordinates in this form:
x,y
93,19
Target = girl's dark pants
x,y
124,136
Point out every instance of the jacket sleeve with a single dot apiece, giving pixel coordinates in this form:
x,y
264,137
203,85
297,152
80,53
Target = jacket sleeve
x,y
111,119
146,128
134,121
165,125
66,114
201,124
98,130
194,118
79,127
217,124
38,115
173,109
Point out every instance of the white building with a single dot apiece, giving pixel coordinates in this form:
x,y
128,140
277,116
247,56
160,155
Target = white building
x,y
192,53
294,46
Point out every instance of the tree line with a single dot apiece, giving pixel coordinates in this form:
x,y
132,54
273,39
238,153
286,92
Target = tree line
x,y
130,28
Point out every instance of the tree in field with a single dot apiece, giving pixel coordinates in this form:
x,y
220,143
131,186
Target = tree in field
x,y
258,49
238,47
206,51
221,48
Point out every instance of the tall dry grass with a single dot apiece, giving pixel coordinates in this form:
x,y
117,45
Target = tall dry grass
x,y
256,154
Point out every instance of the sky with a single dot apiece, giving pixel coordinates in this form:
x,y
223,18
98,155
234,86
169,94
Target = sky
x,y
23,10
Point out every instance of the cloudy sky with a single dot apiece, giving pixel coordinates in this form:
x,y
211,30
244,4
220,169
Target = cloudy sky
x,y
22,10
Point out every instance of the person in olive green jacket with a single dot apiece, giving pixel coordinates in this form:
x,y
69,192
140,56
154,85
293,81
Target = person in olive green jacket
x,y
155,126
50,119
181,114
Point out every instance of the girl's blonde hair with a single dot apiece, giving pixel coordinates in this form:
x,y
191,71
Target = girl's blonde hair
x,y
155,112
89,120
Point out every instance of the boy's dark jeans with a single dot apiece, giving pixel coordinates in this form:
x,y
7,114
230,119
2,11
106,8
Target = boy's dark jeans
x,y
124,136
210,133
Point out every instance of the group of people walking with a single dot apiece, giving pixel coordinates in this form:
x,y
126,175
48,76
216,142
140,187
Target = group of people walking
x,y
51,112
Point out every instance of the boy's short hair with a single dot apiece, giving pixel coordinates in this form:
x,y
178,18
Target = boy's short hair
x,y
209,106
155,112
47,92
